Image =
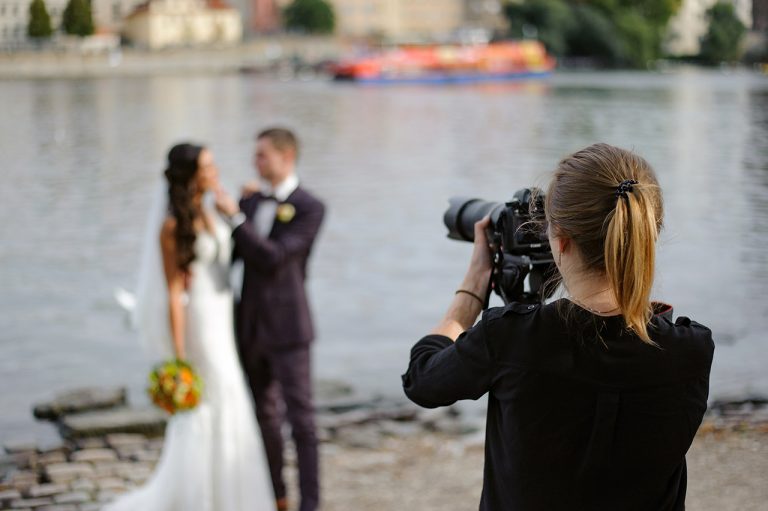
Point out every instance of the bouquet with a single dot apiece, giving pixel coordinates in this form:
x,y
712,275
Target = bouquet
x,y
174,386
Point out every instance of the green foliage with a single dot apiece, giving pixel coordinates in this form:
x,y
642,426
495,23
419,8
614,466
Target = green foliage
x,y
656,12
310,16
551,19
614,32
77,18
594,35
722,42
39,26
640,41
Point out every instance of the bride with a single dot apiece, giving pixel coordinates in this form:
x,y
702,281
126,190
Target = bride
x,y
213,458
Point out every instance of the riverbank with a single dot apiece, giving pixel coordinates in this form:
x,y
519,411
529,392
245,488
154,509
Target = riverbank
x,y
726,471
281,55
376,455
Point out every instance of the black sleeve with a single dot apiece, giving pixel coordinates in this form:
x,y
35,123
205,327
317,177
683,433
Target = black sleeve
x,y
442,372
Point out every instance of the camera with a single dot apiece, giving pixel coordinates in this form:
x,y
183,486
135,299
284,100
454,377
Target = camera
x,y
519,237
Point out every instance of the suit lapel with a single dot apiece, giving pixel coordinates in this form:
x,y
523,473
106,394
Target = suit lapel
x,y
277,224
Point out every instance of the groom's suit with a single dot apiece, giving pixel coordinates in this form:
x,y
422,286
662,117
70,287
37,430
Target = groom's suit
x,y
274,328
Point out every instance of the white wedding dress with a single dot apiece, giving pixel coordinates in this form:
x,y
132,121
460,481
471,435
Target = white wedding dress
x,y
213,457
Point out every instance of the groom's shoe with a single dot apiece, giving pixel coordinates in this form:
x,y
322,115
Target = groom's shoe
x,y
282,504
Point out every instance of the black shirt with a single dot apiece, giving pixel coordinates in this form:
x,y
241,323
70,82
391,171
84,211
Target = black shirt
x,y
582,415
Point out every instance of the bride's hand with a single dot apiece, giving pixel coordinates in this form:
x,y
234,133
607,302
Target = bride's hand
x,y
225,203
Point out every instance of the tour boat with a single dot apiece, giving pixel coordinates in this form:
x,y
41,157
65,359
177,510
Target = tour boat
x,y
512,60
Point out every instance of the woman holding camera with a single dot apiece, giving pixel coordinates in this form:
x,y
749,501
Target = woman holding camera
x,y
594,399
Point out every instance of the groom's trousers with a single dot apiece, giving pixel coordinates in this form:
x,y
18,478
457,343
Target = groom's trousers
x,y
282,388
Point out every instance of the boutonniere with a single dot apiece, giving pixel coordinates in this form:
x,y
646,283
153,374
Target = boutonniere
x,y
285,212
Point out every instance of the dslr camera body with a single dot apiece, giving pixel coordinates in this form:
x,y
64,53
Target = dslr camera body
x,y
519,238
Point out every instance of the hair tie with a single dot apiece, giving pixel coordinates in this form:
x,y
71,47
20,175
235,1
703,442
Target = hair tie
x,y
624,187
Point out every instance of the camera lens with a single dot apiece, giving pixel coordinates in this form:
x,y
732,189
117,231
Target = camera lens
x,y
463,213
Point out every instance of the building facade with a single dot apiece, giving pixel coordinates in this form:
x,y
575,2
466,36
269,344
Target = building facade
x,y
690,24
173,23
399,20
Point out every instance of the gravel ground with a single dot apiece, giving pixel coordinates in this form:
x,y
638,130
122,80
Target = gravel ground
x,y
726,471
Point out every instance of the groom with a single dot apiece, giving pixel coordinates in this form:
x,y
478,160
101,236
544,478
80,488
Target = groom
x,y
274,230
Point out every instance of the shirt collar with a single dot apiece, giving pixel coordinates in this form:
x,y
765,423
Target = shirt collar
x,y
283,190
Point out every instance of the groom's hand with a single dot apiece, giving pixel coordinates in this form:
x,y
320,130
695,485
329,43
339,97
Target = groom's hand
x,y
226,204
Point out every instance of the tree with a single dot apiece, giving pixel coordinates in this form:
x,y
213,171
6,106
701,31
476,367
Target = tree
x,y
77,18
594,35
614,32
722,42
310,16
39,26
552,20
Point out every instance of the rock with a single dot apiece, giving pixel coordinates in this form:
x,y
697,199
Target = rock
x,y
51,458
146,421
86,485
46,490
68,472
30,503
90,507
77,497
90,443
111,483
79,401
147,456
58,507
22,480
20,446
124,440
25,460
7,496
94,455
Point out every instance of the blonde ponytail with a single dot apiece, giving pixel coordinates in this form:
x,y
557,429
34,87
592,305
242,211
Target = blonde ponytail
x,y
630,254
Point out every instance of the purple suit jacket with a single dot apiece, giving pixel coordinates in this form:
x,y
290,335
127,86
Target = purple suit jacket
x,y
273,312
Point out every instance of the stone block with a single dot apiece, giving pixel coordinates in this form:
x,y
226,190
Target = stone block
x,y
90,443
76,497
147,421
6,496
86,485
79,401
51,458
68,472
146,456
58,507
22,480
30,503
46,490
93,455
122,440
18,446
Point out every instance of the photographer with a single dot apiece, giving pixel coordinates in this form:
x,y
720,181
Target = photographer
x,y
593,399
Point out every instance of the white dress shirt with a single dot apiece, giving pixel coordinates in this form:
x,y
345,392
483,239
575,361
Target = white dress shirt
x,y
264,217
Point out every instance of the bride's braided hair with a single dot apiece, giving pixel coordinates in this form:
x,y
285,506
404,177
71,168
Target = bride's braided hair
x,y
181,172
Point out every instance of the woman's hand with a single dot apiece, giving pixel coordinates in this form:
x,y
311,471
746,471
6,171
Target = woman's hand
x,y
224,203
481,264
